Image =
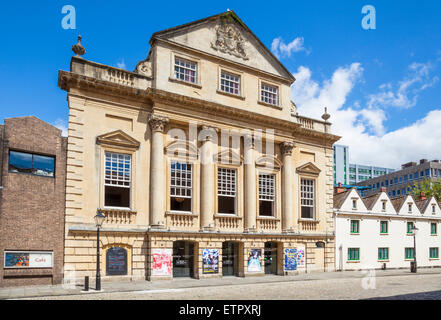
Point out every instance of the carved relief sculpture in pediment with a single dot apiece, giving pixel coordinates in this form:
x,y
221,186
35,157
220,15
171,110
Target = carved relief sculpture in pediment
x,y
229,40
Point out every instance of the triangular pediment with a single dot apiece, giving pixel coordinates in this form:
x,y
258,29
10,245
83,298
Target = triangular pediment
x,y
226,36
118,138
308,168
268,161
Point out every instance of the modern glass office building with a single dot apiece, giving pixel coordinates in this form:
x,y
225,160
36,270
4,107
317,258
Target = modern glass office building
x,y
350,174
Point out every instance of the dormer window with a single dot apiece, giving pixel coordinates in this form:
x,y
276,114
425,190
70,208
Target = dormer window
x,y
230,83
269,94
186,70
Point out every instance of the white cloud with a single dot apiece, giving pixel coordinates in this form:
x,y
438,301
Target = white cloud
x,y
62,125
372,147
280,48
406,93
121,64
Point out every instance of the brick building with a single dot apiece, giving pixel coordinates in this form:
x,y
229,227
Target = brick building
x,y
32,201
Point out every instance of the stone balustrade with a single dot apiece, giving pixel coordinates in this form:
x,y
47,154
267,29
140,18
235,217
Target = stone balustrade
x,y
308,225
228,222
121,77
116,216
178,220
268,224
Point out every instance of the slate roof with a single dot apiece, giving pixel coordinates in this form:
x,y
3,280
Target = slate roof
x,y
371,200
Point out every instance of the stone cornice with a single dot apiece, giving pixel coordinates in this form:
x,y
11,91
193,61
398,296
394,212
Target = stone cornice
x,y
68,80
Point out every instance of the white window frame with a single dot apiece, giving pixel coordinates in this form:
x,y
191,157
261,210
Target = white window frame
x,y
265,88
227,186
118,182
304,200
180,187
266,191
230,82
184,67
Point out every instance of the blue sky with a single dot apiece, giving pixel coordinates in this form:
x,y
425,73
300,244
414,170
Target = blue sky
x,y
380,86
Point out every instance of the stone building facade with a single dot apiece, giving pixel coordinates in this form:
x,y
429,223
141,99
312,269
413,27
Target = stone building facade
x,y
199,161
32,188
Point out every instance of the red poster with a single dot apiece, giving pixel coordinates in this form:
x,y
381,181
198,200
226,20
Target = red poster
x,y
162,262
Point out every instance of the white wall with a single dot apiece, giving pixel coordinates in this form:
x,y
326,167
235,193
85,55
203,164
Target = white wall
x,y
369,238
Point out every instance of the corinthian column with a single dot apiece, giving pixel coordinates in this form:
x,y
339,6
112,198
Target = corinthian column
x,y
157,172
207,178
287,176
250,184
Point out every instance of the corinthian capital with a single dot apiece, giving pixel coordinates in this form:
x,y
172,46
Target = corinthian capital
x,y
157,123
286,147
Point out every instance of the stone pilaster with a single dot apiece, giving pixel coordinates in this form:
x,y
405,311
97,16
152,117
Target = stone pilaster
x,y
157,172
250,184
207,179
287,176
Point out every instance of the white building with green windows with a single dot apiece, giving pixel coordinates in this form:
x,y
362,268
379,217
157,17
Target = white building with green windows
x,y
377,230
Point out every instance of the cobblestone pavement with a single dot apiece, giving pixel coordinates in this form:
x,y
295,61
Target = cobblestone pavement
x,y
336,285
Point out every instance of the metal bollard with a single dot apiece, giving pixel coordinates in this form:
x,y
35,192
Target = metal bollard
x,y
86,283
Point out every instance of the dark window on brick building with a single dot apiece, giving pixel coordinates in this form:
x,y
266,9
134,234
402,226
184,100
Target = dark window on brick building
x,y
30,163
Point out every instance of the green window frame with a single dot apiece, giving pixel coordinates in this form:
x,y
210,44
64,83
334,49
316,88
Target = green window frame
x,y
434,253
433,228
355,226
383,253
409,227
353,254
409,253
384,227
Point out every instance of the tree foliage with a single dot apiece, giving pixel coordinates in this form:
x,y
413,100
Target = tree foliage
x,y
430,187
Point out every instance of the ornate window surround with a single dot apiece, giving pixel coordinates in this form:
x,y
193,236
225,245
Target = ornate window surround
x,y
261,168
117,142
311,172
187,153
239,189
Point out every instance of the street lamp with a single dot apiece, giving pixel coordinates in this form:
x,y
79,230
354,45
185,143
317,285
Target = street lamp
x,y
414,267
99,219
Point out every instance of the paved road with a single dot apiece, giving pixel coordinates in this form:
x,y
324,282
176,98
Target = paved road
x,y
328,286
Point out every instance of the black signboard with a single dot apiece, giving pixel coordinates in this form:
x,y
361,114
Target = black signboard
x,y
116,258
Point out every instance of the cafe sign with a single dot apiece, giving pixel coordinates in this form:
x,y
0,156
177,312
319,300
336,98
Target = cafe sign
x,y
29,259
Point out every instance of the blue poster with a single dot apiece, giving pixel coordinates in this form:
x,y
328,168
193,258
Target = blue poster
x,y
210,260
290,259
254,264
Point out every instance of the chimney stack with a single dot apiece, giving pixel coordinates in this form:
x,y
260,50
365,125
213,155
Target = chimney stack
x,y
422,196
383,189
339,189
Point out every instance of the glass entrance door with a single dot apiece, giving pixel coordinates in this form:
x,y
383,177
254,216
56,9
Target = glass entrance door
x,y
183,257
270,257
230,258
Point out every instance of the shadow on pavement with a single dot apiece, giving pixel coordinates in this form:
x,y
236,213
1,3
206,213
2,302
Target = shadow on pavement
x,y
431,295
